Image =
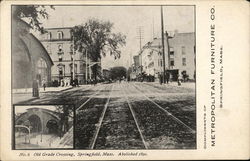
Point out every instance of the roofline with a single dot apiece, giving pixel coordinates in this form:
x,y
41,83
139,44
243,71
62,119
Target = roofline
x,y
57,28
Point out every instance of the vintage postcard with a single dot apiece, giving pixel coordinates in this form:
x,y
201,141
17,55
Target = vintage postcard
x,y
124,80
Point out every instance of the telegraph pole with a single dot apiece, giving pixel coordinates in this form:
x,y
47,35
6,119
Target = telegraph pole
x,y
73,58
168,46
140,37
163,46
86,61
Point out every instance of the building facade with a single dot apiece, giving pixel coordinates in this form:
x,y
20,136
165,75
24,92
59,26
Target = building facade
x,y
58,42
179,61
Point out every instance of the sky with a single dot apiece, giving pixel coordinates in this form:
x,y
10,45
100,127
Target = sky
x,y
22,109
127,20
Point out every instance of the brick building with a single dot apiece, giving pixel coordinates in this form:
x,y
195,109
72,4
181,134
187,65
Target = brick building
x,y
58,42
180,60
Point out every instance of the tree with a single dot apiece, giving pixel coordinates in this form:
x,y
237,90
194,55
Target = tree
x,y
118,72
97,39
32,14
66,112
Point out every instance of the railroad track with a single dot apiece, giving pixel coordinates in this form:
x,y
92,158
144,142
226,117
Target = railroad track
x,y
92,145
173,106
136,122
102,128
104,113
166,111
91,96
87,115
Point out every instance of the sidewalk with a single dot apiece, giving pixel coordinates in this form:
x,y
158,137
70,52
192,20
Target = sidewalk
x,y
20,95
41,90
190,85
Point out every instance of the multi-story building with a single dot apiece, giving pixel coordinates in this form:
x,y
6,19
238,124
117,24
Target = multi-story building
x,y
58,42
181,58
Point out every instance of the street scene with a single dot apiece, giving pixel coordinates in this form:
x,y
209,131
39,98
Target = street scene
x,y
127,72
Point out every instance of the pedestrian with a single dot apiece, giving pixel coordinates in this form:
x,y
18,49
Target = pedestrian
x,y
179,80
76,82
44,86
35,89
167,77
161,79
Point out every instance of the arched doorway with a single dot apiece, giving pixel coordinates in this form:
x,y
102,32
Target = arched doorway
x,y
42,71
35,123
52,126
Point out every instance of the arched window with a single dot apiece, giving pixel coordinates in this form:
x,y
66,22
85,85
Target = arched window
x,y
49,36
60,47
60,35
42,71
60,57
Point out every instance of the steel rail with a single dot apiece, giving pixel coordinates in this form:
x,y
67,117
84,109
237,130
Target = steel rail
x,y
166,111
136,122
91,96
101,119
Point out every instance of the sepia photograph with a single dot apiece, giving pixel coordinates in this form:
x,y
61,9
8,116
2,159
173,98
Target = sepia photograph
x,y
129,71
43,126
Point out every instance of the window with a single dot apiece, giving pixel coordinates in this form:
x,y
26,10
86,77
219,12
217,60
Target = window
x,y
81,67
161,62
59,46
171,62
60,56
60,70
60,35
184,61
171,50
183,50
49,35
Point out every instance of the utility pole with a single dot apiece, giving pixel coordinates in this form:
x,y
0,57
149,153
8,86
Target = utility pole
x,y
163,46
73,58
140,32
168,49
86,62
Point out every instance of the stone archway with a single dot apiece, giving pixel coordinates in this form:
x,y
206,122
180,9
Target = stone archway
x,y
35,123
52,127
